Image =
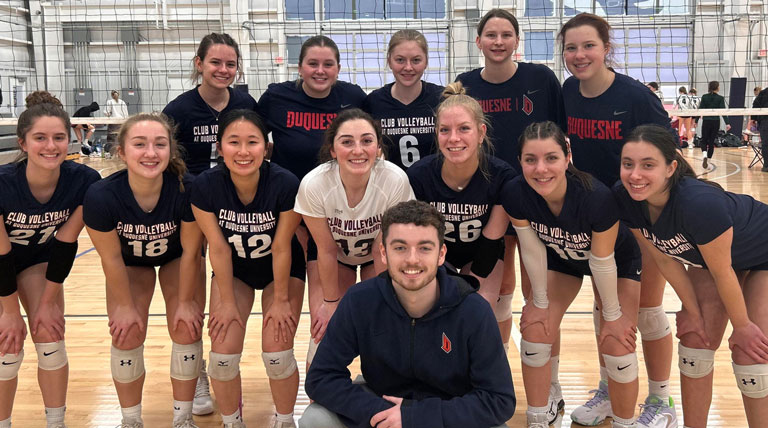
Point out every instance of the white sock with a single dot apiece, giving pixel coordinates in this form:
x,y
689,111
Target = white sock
x,y
181,410
5,423
532,409
85,141
603,374
131,414
506,348
554,369
230,419
625,422
659,389
55,414
284,418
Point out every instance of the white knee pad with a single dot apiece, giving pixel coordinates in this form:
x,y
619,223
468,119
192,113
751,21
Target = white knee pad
x,y
311,350
127,365
752,379
653,323
596,318
186,360
10,365
535,354
51,355
223,367
503,309
695,363
621,369
279,365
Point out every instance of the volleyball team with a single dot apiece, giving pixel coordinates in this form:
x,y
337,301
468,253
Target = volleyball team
x,y
585,178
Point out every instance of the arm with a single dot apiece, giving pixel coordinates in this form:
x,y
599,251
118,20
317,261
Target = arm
x,y
491,401
12,328
188,310
534,255
125,314
280,309
328,380
490,244
328,268
225,312
746,335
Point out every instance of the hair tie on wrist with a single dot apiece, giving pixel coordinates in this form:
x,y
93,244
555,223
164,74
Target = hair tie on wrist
x,y
331,301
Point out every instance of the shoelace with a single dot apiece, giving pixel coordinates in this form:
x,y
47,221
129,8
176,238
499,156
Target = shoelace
x,y
202,388
599,396
648,412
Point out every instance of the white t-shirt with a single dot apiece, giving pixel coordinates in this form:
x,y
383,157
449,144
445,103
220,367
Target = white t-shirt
x,y
116,108
321,194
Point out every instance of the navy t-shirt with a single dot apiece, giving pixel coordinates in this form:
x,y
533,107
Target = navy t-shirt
x,y
197,125
597,127
531,95
298,121
29,224
146,239
697,213
249,229
568,236
409,130
467,211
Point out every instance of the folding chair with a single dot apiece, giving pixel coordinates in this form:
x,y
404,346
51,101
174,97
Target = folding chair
x,y
753,141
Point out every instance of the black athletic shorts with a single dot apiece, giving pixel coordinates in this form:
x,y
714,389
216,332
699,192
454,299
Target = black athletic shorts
x,y
258,273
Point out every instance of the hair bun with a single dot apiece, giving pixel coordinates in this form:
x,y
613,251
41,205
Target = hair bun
x,y
41,97
455,88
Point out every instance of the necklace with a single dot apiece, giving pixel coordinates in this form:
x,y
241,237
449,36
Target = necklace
x,y
213,112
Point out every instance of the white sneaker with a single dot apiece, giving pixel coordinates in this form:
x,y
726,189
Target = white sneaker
x,y
237,424
594,411
274,423
56,425
556,405
537,420
125,424
202,404
657,413
188,423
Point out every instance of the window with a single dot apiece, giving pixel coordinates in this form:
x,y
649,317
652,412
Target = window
x,y
384,9
539,46
293,45
539,7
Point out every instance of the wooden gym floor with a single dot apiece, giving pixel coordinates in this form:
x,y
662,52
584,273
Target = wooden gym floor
x,y
92,401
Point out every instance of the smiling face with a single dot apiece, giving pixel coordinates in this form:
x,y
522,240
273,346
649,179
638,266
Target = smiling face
x,y
146,150
219,67
498,40
319,71
242,146
412,255
459,136
407,62
584,52
644,171
46,142
355,147
544,165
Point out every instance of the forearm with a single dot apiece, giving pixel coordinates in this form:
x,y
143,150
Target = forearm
x,y
281,268
10,304
118,283
534,255
328,266
189,274
732,296
221,262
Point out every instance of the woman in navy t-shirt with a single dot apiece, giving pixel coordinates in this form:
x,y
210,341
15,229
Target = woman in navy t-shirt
x,y
602,107
722,238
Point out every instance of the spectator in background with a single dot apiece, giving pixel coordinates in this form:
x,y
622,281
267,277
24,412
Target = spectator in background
x,y
654,87
116,107
711,124
761,121
84,131
683,102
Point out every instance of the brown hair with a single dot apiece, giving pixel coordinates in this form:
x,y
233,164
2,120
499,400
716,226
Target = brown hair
x,y
456,95
39,104
319,41
414,212
498,13
408,36
176,164
682,90
324,155
713,86
662,139
549,129
216,39
600,25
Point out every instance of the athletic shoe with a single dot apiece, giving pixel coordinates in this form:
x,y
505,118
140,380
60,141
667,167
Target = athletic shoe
x,y
202,404
594,411
237,424
537,420
125,424
56,425
85,149
279,424
657,413
764,169
704,163
556,408
189,423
